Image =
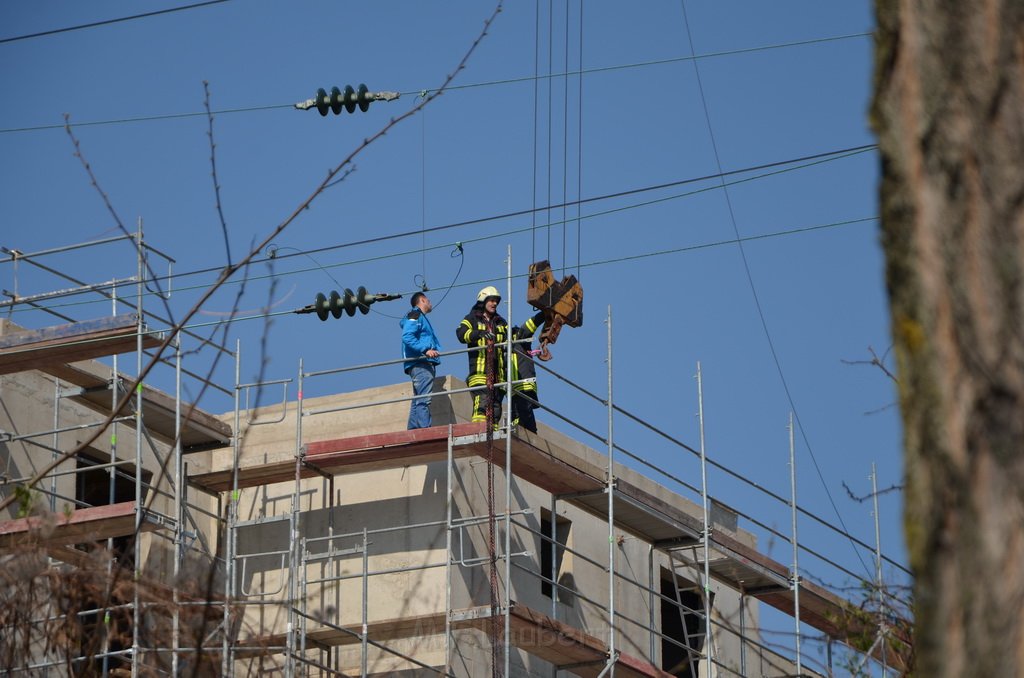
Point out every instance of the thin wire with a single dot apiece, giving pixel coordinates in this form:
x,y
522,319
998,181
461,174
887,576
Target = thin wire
x,y
457,252
272,251
565,140
579,151
536,102
605,262
423,192
753,289
810,161
489,83
551,65
602,262
107,22
589,216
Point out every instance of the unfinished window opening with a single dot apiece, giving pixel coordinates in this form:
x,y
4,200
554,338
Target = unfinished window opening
x,y
95,487
551,564
682,626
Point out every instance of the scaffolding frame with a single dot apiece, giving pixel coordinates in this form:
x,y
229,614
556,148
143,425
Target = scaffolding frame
x,y
173,432
612,499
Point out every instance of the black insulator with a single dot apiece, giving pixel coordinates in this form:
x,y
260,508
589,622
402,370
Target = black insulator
x,y
335,304
336,100
363,300
322,102
321,306
346,301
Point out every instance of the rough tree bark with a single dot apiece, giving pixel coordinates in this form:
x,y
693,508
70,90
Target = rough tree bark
x,y
949,113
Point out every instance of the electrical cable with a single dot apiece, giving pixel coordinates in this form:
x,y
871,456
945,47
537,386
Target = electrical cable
x,y
536,101
753,289
565,141
813,160
107,22
489,83
457,252
423,195
593,264
272,250
551,96
579,150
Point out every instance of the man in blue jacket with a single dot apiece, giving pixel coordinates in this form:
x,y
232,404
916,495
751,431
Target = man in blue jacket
x,y
421,351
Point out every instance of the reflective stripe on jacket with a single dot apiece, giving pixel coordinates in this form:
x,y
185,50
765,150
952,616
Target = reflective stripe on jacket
x,y
522,361
470,332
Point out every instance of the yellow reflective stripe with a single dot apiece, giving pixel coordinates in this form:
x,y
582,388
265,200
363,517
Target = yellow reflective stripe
x,y
469,328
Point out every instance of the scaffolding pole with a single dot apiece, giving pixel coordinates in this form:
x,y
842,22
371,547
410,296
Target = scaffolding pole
x,y
179,518
882,626
506,603
610,489
137,542
796,548
295,559
706,536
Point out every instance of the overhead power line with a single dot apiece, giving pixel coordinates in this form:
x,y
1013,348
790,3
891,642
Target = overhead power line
x,y
807,161
107,22
488,83
753,289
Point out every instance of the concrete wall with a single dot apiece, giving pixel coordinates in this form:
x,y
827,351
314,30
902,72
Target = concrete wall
x,y
403,512
414,499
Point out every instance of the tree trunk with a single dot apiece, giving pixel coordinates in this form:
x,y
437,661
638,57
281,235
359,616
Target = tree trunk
x,y
949,113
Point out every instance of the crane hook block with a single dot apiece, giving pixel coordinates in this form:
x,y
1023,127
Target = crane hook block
x,y
560,300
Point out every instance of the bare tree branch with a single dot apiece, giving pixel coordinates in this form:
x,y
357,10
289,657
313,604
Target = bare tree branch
x,y
870,495
233,268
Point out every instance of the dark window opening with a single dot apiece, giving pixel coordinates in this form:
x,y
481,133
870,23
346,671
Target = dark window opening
x,y
682,627
95,487
551,564
107,629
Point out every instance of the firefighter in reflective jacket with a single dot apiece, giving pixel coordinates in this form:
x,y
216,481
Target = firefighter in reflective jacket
x,y
524,396
483,328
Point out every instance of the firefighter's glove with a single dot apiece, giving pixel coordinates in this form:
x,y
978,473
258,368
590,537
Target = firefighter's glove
x,y
487,336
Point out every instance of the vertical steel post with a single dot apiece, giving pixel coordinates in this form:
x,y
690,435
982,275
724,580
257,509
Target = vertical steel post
x,y
364,638
178,510
796,546
650,604
610,489
137,564
743,633
506,601
882,630
294,559
706,537
115,388
303,593
553,546
231,517
448,551
55,444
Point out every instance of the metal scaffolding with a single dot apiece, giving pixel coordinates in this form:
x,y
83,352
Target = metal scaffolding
x,y
304,607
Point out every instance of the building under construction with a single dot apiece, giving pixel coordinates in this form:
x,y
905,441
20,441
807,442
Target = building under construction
x,y
316,536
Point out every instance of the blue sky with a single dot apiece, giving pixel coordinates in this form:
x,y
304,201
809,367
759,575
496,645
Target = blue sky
x,y
777,81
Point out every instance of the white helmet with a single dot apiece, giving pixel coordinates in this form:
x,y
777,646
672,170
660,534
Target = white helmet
x,y
489,291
